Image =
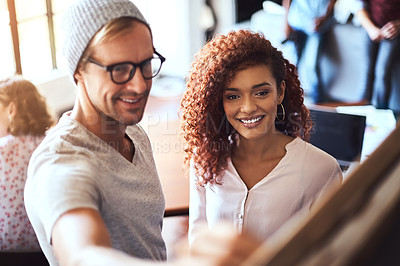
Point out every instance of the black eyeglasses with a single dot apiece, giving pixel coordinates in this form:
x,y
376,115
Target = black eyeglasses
x,y
123,72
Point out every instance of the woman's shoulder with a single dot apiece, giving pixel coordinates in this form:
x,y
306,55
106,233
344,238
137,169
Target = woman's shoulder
x,y
317,165
15,143
313,154
6,141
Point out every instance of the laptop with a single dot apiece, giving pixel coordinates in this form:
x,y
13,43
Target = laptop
x,y
339,134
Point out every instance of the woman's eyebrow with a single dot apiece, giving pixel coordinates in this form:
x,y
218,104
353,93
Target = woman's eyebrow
x,y
261,85
252,87
231,89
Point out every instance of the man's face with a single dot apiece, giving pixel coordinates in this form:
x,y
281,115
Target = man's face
x,y
105,101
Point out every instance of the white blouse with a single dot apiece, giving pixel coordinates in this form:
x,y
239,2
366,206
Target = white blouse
x,y
300,178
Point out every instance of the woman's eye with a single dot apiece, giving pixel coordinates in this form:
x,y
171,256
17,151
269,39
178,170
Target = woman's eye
x,y
232,97
262,93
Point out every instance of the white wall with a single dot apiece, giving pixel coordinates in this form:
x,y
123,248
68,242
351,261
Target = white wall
x,y
176,29
59,92
226,14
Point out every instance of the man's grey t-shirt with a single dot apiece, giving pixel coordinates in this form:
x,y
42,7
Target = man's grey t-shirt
x,y
73,168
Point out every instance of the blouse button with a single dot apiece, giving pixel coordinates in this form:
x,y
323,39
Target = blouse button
x,y
240,216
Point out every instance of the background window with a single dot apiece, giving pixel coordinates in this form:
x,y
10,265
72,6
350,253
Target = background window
x,y
59,6
33,34
7,64
31,40
29,44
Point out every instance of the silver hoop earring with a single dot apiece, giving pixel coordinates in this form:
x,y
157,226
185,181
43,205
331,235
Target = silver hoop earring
x,y
283,113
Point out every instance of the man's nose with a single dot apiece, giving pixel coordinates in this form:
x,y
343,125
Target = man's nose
x,y
138,83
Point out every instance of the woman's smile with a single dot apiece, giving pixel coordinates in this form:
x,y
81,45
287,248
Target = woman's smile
x,y
251,122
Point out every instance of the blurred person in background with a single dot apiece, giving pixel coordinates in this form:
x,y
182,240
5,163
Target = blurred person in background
x,y
307,22
381,21
24,119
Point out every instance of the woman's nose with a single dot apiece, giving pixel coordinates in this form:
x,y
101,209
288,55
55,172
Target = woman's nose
x,y
248,105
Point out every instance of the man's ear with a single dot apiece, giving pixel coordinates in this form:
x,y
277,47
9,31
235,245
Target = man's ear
x,y
282,91
78,76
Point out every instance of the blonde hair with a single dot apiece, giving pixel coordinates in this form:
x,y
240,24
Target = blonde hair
x,y
32,116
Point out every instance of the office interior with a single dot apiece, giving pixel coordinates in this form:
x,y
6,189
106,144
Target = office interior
x,y
189,24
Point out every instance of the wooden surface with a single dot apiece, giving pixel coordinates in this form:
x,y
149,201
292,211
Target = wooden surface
x,y
161,123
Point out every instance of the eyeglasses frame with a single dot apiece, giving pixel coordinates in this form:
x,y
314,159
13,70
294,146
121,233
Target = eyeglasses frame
x,y
110,68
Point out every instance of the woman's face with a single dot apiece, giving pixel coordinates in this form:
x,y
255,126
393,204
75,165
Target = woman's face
x,y
250,102
4,120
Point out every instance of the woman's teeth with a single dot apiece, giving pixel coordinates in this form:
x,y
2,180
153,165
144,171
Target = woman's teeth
x,y
250,121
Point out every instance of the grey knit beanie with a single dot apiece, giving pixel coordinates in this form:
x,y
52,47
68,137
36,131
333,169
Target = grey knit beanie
x,y
85,18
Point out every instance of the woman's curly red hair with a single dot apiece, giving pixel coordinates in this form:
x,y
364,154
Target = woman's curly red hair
x,y
208,136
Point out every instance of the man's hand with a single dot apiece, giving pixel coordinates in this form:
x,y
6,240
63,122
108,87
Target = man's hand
x,y
220,246
391,29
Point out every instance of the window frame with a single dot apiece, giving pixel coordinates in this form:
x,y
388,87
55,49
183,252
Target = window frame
x,y
15,34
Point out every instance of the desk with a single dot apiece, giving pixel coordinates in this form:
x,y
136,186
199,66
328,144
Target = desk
x,y
161,123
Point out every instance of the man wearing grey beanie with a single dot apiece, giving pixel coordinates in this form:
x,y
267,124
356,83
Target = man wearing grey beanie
x,y
93,194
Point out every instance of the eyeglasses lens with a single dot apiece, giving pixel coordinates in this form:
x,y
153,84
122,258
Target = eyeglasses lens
x,y
122,73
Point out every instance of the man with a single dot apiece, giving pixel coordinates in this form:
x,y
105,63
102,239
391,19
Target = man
x,y
381,21
306,23
92,183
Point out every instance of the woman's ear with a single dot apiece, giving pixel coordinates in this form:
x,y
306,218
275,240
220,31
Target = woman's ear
x,y
11,110
281,95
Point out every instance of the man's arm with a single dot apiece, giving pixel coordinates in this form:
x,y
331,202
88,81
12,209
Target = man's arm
x,y
75,231
319,22
287,29
80,237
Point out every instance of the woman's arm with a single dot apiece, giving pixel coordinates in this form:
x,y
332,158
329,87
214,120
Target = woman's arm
x,y
373,31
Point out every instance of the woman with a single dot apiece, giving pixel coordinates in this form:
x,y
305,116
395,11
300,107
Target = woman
x,y
24,118
244,122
